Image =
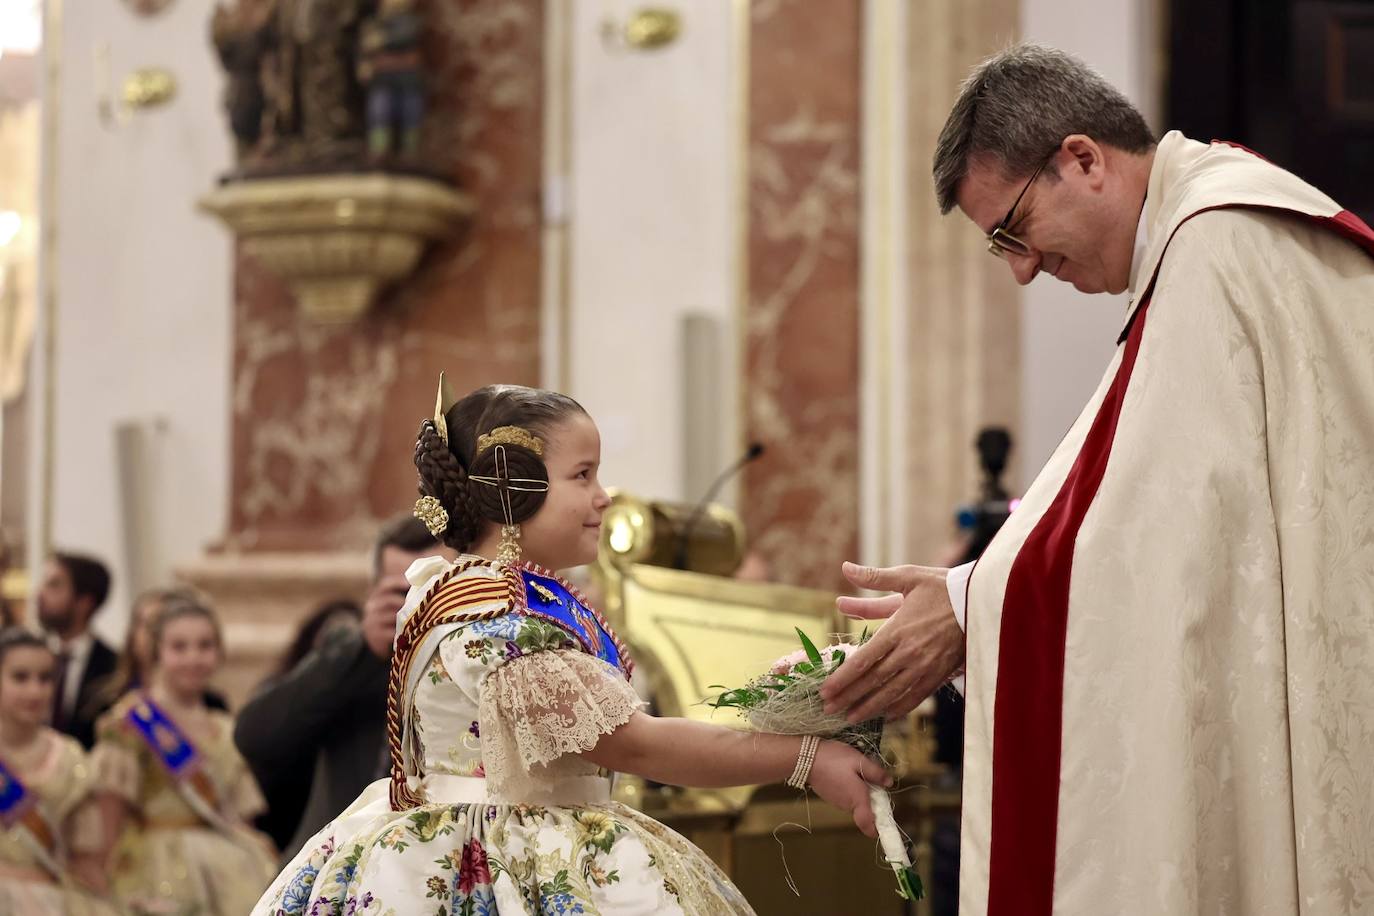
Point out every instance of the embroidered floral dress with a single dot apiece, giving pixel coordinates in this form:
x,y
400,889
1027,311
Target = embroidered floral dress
x,y
170,858
499,814
33,880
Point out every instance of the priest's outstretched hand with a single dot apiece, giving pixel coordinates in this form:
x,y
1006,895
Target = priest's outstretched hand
x,y
919,648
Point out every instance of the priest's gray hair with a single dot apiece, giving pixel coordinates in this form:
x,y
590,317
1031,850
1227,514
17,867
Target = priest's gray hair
x,y
1019,105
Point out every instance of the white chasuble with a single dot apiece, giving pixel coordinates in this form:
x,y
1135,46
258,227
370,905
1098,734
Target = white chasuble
x,y
1171,642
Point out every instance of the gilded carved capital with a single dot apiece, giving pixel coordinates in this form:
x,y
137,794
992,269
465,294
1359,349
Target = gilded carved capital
x,y
337,240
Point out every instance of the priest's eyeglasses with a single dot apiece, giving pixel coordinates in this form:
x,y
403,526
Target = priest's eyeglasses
x,y
1000,241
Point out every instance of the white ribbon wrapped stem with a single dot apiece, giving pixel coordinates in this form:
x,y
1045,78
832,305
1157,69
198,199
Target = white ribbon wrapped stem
x,y
893,846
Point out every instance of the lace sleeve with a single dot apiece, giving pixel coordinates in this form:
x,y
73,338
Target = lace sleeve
x,y
540,707
116,769
114,761
85,829
82,823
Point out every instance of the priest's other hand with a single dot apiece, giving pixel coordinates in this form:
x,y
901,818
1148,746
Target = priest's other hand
x,y
916,651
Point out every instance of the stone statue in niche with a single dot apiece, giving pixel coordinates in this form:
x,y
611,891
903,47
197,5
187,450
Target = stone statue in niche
x,y
322,86
389,66
318,38
326,97
240,37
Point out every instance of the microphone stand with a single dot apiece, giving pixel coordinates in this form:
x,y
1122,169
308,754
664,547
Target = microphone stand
x,y
680,559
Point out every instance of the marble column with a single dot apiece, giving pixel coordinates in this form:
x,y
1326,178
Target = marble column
x,y
801,323
963,368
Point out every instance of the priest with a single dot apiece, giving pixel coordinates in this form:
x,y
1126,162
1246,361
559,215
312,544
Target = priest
x,y
1169,648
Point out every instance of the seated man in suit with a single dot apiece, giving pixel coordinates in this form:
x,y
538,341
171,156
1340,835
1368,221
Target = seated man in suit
x,y
74,588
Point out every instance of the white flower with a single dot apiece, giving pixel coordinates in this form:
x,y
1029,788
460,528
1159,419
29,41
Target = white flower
x,y
829,654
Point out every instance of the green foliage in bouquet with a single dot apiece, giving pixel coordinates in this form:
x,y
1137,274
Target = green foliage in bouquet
x,y
787,701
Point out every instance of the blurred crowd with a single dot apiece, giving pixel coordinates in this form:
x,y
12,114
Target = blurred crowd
x,y
128,785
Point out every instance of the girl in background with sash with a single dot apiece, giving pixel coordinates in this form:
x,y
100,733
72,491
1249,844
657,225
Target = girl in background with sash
x,y
510,700
175,792
49,834
136,660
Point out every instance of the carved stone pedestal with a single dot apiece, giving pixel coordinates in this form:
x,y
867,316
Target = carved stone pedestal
x,y
338,239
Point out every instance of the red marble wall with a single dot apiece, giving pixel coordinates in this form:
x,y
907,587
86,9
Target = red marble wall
x,y
324,419
801,385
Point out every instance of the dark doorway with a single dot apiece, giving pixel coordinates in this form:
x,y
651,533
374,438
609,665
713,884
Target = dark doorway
x,y
1291,79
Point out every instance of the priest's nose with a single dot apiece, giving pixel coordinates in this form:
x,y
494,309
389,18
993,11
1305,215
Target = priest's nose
x,y
1024,267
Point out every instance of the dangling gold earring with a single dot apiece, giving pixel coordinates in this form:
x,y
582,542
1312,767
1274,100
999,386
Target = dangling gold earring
x,y
508,551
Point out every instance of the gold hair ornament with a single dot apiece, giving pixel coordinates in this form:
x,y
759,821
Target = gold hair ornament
x,y
508,551
432,512
443,402
511,435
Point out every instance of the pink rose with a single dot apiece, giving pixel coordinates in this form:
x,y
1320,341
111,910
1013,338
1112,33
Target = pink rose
x,y
473,871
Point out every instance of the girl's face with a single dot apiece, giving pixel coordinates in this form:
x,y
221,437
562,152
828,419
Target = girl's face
x,y
566,529
188,653
27,684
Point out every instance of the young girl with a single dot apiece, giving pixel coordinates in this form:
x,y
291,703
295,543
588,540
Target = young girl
x,y
510,699
175,791
48,840
137,658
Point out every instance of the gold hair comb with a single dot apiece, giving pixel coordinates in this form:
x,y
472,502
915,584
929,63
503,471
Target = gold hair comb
x,y
510,435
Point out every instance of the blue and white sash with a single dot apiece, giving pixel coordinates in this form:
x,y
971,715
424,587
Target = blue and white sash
x,y
20,812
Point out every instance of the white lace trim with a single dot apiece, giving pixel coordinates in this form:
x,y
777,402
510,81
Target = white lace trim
x,y
541,710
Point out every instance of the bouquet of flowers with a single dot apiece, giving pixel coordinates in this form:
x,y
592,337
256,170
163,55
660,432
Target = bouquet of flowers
x,y
787,701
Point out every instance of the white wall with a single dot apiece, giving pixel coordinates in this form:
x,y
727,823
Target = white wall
x,y
1068,337
143,297
654,222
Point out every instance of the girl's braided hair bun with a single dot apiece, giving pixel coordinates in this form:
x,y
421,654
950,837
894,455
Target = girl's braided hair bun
x,y
447,469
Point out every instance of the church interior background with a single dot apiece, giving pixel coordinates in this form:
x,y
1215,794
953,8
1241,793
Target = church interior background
x,y
221,318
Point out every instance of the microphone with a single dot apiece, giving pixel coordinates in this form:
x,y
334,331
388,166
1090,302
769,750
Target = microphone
x,y
751,454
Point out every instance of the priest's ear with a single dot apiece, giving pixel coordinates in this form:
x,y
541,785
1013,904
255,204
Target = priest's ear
x,y
1081,159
